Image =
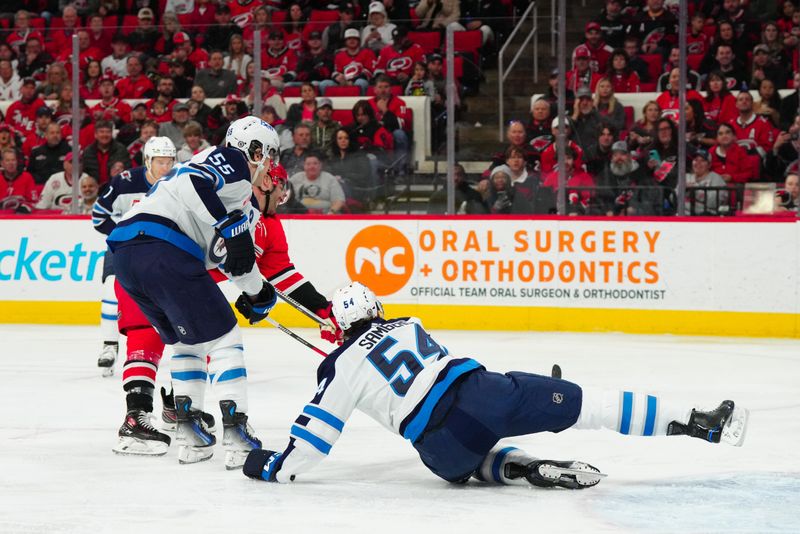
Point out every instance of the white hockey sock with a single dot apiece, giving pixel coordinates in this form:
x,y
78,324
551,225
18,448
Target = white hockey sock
x,y
226,369
629,413
188,370
108,312
493,467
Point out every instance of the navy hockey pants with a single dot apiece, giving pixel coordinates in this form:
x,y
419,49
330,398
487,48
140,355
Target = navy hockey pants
x,y
483,408
174,290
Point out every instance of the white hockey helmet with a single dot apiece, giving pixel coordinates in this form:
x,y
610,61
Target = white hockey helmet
x,y
251,134
354,303
157,147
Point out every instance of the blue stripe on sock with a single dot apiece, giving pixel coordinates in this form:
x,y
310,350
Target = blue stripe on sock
x,y
627,412
325,417
498,462
184,356
189,375
232,374
650,420
318,443
112,302
108,317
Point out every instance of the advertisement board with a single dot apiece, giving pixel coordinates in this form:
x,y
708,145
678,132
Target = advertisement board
x,y
698,276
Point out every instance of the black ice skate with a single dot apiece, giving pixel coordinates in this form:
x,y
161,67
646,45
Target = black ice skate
x,y
726,424
169,415
553,474
196,444
138,437
237,437
107,358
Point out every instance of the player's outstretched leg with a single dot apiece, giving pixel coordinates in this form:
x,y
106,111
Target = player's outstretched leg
x,y
196,444
648,415
513,466
237,437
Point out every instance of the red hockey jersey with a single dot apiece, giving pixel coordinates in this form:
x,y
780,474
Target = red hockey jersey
x,y
756,133
281,63
134,88
115,110
22,117
397,106
393,62
361,64
20,191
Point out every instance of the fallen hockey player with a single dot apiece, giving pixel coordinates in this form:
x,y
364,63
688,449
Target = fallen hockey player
x,y
454,411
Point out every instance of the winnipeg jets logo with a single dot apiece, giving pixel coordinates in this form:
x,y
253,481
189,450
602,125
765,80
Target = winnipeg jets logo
x,y
558,398
217,251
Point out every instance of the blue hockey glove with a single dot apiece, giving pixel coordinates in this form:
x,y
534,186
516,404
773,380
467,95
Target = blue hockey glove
x,y
261,464
234,229
258,310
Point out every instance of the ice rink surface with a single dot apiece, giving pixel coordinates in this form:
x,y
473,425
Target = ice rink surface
x,y
60,418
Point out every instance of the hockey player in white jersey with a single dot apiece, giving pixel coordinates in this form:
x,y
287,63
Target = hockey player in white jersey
x,y
120,195
454,412
198,217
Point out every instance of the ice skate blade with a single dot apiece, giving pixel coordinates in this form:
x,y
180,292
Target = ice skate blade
x,y
193,455
235,459
735,429
137,447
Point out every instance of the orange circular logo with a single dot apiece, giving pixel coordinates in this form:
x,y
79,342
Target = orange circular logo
x,y
381,258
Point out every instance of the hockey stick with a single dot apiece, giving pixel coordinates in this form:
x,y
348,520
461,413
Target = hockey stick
x,y
299,339
299,307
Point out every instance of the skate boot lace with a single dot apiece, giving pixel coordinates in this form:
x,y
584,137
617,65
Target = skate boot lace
x,y
143,420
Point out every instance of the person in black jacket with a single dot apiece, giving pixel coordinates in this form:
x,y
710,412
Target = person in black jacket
x,y
48,159
354,171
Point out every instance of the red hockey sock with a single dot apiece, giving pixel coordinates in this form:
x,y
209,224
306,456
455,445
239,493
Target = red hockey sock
x,y
144,354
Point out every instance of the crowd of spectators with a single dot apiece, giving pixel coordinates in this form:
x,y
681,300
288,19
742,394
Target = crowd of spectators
x,y
739,129
152,67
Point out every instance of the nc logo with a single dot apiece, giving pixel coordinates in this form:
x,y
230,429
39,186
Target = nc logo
x,y
381,258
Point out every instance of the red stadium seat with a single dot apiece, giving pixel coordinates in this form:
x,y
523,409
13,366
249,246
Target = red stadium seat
x,y
429,41
628,117
342,90
647,87
458,61
693,60
467,41
655,65
397,90
129,24
5,23
39,23
710,30
279,17
289,92
319,18
344,116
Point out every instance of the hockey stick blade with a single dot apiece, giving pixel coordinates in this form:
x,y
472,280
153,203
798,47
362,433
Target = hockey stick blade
x,y
297,338
299,307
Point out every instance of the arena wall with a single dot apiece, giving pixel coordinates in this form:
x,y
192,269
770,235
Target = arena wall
x,y
703,276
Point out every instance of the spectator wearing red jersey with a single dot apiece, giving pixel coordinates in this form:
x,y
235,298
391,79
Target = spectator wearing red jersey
x,y
578,202
599,50
728,159
353,65
18,191
262,19
753,132
549,157
203,16
62,37
34,61
295,26
90,83
44,116
397,60
144,37
367,134
21,114
623,78
135,84
241,7
191,58
99,36
104,152
719,104
697,41
10,82
581,74
166,96
21,32
315,64
110,108
669,100
391,112
279,60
